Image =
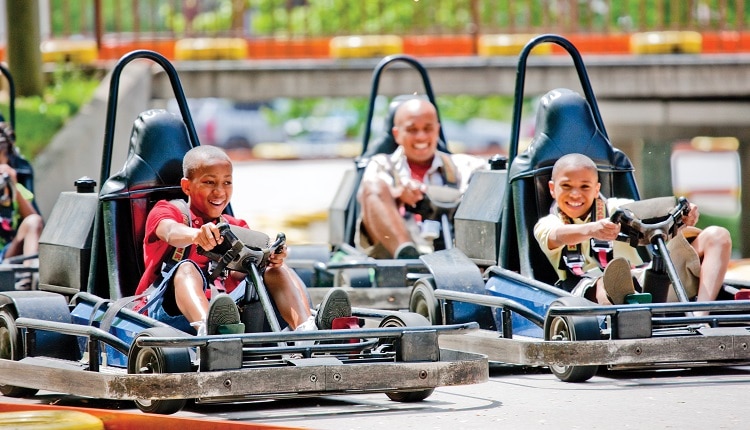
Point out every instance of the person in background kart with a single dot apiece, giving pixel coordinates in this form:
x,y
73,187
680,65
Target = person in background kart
x,y
178,273
580,216
20,223
391,182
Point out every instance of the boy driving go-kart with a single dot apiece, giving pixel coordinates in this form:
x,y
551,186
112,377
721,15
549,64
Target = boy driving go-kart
x,y
178,273
578,238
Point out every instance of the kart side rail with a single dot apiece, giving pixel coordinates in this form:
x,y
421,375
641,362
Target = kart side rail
x,y
320,335
96,334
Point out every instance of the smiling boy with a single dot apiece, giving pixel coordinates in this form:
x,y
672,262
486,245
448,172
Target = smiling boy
x,y
178,272
578,228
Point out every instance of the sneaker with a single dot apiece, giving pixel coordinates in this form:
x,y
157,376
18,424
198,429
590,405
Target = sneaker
x,y
24,281
335,304
407,251
618,281
223,316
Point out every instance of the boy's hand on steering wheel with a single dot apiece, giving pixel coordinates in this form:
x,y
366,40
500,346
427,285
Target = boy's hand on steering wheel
x,y
412,192
207,236
692,217
604,229
276,259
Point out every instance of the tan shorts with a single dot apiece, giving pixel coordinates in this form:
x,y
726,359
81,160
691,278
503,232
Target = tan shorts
x,y
686,262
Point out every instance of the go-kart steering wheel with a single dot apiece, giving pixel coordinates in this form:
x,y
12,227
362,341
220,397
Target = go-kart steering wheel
x,y
240,249
643,221
438,200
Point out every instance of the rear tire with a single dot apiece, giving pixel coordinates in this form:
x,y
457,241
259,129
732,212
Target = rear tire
x,y
159,360
11,349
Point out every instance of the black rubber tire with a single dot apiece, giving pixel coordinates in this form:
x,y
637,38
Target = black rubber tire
x,y
407,319
423,302
159,360
11,349
572,328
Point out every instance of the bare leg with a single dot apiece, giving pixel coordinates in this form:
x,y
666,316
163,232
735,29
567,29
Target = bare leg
x,y
26,241
600,293
188,293
287,296
714,248
381,216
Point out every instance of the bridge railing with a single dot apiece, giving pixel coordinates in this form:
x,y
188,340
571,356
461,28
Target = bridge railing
x,y
307,28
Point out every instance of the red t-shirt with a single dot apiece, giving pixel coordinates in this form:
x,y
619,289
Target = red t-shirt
x,y
155,250
419,170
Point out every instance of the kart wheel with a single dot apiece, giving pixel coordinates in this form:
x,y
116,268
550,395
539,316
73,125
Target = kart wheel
x,y
407,319
10,349
159,360
423,302
572,328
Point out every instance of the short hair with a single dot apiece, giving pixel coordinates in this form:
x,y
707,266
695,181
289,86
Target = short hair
x,y
574,160
196,157
413,105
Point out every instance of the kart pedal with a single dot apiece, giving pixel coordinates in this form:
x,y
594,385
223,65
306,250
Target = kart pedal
x,y
342,323
347,323
742,295
638,298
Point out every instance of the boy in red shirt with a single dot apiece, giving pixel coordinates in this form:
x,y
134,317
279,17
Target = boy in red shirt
x,y
179,273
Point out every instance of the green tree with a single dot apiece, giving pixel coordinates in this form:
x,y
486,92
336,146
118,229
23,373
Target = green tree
x,y
24,56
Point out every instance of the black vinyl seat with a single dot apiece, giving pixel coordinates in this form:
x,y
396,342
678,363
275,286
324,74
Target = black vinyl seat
x,y
152,172
564,125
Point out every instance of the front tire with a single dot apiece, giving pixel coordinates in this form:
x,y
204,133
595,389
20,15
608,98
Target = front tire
x,y
572,328
11,349
159,360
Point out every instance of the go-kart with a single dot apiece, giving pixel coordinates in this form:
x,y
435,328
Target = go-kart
x,y
82,334
498,276
383,283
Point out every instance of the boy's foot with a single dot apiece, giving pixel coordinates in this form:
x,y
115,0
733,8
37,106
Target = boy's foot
x,y
335,304
223,316
24,281
407,251
618,281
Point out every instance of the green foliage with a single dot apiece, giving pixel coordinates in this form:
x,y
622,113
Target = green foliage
x,y
38,119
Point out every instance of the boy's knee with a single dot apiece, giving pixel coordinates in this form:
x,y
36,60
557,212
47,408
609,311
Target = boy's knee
x,y
34,221
717,236
186,271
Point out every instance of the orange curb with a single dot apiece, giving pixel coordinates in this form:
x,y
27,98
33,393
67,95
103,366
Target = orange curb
x,y
121,420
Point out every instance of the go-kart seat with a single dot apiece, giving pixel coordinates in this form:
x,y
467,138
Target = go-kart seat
x,y
152,172
564,124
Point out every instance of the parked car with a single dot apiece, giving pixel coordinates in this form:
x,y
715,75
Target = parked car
x,y
231,125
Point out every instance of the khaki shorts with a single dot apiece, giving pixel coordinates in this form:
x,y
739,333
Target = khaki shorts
x,y
686,262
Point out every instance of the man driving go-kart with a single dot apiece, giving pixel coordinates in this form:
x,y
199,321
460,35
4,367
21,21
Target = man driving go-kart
x,y
394,186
